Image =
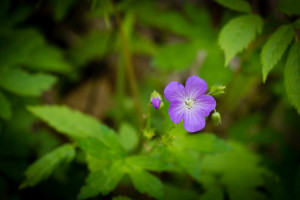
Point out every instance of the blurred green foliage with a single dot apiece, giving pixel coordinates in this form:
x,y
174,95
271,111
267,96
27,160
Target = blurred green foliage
x,y
49,49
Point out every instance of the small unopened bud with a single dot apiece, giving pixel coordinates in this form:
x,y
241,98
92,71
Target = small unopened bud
x,y
217,90
156,100
216,117
149,134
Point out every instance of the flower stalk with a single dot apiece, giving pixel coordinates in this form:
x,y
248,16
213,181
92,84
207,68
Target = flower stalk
x,y
129,66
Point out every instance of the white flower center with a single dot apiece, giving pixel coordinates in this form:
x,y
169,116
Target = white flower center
x,y
189,103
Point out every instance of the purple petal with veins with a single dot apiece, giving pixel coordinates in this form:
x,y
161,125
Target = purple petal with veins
x,y
189,103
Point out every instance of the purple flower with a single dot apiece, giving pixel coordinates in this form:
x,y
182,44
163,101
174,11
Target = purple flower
x,y
189,103
156,102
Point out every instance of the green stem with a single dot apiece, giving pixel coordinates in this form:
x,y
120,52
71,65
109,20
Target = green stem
x,y
129,67
148,122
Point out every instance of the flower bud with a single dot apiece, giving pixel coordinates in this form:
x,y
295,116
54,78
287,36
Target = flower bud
x,y
217,89
149,134
216,117
156,100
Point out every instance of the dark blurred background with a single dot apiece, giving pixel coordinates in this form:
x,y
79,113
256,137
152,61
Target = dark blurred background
x,y
84,46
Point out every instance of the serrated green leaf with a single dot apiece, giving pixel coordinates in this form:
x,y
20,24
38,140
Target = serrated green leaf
x,y
275,47
23,83
74,123
43,167
167,57
238,5
150,163
103,181
128,137
145,182
238,33
292,76
189,161
5,108
232,169
96,164
98,149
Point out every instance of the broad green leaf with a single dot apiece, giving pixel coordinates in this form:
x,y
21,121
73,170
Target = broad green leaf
x,y
150,163
103,181
238,5
189,161
5,108
205,143
237,170
237,34
43,167
98,149
292,76
179,193
32,51
128,137
213,191
275,47
290,7
145,182
18,45
47,58
23,83
96,164
167,57
74,123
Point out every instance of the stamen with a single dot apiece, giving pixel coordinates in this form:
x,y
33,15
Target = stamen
x,y
189,103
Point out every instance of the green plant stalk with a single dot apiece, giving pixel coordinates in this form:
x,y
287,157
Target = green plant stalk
x,y
148,122
120,83
129,67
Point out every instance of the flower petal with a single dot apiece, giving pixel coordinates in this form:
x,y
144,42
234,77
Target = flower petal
x,y
204,104
174,92
176,111
193,121
195,86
